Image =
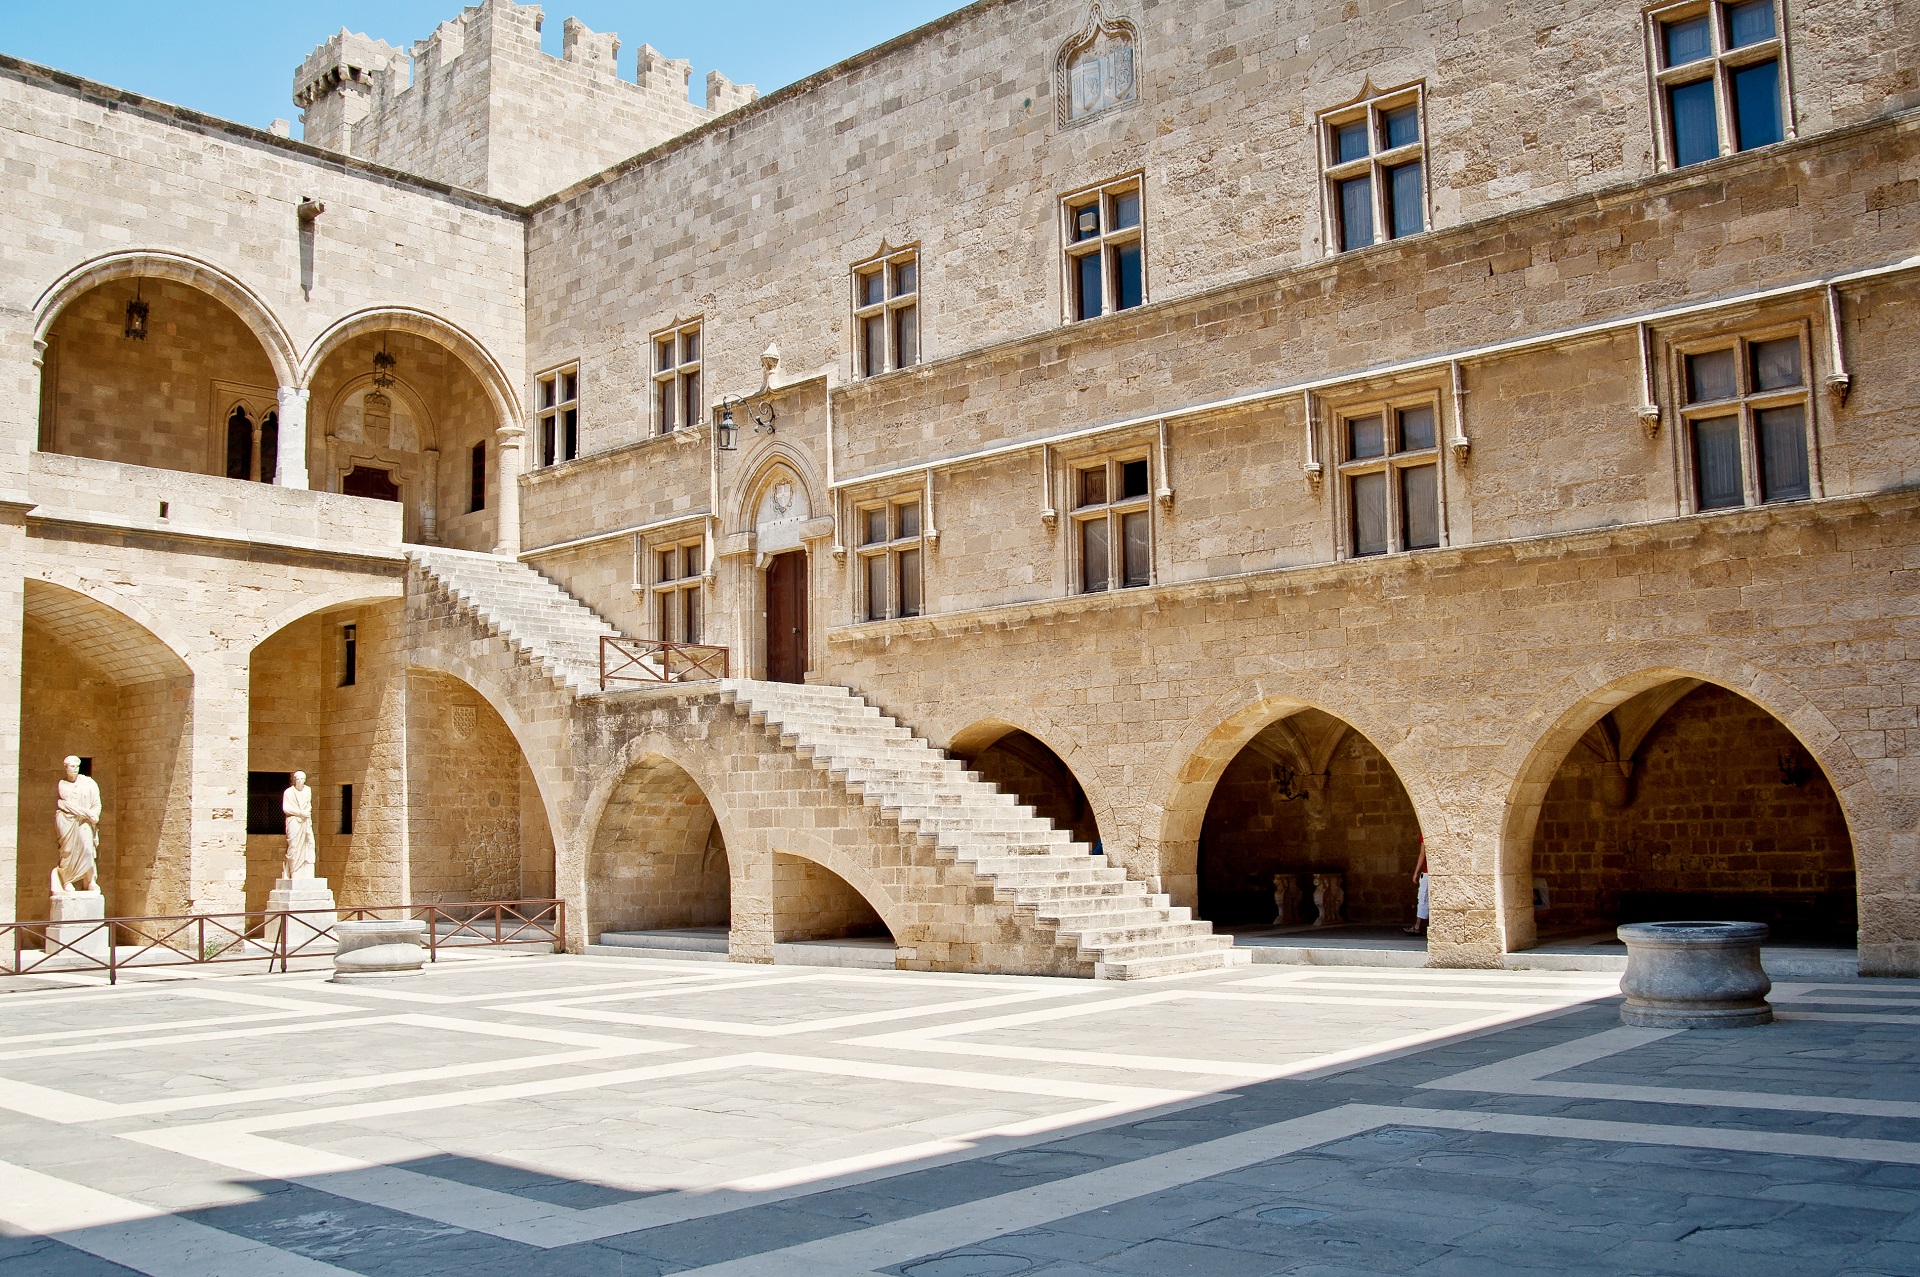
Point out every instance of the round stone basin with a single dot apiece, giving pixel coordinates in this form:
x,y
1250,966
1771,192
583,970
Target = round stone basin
x,y
1694,975
378,949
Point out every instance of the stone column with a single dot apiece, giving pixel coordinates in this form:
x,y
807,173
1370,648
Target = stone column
x,y
12,550
430,496
217,806
291,471
508,440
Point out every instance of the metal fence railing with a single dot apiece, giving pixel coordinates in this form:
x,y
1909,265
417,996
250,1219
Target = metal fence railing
x,y
272,936
626,660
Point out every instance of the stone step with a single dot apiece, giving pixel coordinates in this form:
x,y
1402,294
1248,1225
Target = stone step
x,y
1135,950
1111,938
1176,964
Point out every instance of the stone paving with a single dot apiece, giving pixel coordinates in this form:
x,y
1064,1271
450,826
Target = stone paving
x,y
633,1117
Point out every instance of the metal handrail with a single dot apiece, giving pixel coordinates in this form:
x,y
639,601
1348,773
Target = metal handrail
x,y
269,935
628,660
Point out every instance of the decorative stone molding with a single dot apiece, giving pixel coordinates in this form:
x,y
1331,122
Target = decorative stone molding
x,y
1095,70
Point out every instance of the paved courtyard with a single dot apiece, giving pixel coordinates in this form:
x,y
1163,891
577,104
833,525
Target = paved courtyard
x,y
580,1115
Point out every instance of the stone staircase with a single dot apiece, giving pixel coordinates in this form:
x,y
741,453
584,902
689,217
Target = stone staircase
x,y
552,628
1115,924
1067,897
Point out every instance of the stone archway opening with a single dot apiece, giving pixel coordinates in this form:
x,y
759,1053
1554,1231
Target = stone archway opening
x,y
1024,765
658,874
1691,801
98,685
1308,817
396,415
188,387
811,902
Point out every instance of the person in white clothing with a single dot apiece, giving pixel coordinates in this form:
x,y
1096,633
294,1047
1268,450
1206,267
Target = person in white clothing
x,y
1420,910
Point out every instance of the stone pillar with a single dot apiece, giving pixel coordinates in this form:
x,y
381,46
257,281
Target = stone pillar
x,y
751,936
292,469
217,807
12,550
508,440
430,496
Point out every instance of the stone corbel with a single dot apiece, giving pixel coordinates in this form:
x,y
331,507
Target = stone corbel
x,y
733,545
1460,443
1839,381
1165,492
932,532
1649,410
1311,467
1048,515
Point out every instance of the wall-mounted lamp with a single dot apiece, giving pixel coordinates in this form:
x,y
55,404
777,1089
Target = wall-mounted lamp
x,y
136,316
760,413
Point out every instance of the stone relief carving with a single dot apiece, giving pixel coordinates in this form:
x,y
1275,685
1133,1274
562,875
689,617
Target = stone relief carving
x,y
1095,69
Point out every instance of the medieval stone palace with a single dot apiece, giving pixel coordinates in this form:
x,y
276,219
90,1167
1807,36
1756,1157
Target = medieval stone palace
x,y
1059,489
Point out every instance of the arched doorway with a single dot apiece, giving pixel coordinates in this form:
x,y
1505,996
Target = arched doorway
x,y
1689,800
156,371
659,861
396,414
1308,802
1024,765
782,510
97,684
811,902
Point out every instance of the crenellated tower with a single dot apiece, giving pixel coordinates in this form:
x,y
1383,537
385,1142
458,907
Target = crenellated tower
x,y
478,104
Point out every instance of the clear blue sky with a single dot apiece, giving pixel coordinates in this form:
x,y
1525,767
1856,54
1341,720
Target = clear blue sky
x,y
235,58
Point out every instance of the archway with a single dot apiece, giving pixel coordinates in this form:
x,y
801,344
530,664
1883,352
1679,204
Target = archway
x,y
98,684
1022,764
1308,801
1691,800
659,859
397,412
476,822
158,370
811,902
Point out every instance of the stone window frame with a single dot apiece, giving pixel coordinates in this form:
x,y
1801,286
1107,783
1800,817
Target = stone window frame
x,y
556,414
261,405
1105,242
1381,160
893,305
678,585
891,554
1112,509
1098,24
1719,64
1393,460
676,381
477,467
1744,406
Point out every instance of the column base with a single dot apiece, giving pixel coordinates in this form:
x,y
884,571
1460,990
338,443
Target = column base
x,y
76,939
308,933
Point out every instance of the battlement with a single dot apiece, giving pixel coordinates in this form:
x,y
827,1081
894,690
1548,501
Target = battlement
x,y
479,104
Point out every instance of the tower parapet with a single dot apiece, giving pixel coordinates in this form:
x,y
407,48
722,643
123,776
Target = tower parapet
x,y
478,104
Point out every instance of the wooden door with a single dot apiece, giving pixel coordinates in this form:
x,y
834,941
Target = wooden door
x,y
787,618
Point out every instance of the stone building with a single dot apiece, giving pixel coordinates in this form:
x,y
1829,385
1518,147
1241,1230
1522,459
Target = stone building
x,y
1127,452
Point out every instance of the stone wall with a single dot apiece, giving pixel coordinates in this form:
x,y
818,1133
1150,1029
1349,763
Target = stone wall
x,y
658,859
70,707
463,797
814,903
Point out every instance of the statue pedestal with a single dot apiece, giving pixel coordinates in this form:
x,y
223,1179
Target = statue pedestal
x,y
308,933
76,938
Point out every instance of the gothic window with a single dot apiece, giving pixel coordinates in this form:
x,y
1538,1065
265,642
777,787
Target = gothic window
x,y
559,414
477,478
886,312
1717,64
677,590
1112,524
1104,247
1745,409
239,444
1390,473
1095,69
676,379
890,552
1373,162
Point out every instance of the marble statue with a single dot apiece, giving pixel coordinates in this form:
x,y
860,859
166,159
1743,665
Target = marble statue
x,y
76,815
1287,900
296,803
1330,899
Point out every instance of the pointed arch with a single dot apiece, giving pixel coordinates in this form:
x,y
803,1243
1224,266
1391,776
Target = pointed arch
x,y
194,272
465,346
1542,742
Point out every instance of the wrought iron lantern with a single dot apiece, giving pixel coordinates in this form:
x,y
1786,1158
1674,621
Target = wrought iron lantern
x,y
728,432
136,329
383,366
